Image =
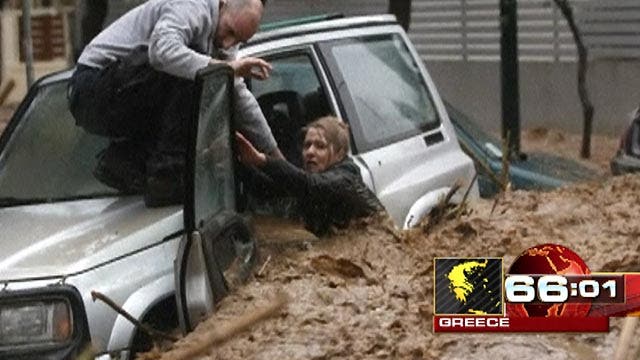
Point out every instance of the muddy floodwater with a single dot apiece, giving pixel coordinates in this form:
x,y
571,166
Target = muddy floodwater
x,y
368,293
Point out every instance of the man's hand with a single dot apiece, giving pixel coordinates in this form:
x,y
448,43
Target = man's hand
x,y
248,154
251,67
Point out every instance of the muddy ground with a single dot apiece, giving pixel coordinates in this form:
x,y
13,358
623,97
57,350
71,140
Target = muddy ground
x,y
368,292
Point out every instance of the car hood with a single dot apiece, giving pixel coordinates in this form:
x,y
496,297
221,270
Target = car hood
x,y
59,239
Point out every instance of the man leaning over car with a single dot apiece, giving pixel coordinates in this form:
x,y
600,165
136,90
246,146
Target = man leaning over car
x,y
134,82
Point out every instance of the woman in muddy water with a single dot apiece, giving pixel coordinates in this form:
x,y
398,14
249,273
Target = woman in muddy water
x,y
329,190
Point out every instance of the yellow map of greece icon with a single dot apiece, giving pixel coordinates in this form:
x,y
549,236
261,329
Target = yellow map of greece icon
x,y
469,286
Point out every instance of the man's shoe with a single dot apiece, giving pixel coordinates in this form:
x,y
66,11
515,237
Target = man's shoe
x,y
163,191
116,169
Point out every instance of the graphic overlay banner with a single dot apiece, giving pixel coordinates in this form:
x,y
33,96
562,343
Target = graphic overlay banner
x,y
548,288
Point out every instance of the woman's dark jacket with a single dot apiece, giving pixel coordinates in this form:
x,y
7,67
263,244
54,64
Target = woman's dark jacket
x,y
330,198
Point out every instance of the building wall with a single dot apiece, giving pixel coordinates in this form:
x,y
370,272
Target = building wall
x,y
460,42
548,93
12,67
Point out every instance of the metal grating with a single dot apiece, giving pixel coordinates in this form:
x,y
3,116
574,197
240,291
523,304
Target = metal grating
x,y
611,28
469,29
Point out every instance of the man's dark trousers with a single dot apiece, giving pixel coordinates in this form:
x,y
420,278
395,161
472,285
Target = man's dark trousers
x,y
145,113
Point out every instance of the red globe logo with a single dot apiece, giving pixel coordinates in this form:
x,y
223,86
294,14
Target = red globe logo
x,y
549,259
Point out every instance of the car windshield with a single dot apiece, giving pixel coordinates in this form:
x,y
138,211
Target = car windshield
x,y
384,83
48,158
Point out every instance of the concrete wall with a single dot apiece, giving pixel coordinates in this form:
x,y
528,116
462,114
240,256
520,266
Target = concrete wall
x,y
548,93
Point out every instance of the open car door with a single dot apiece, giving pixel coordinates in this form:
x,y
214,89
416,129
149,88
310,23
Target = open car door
x,y
217,251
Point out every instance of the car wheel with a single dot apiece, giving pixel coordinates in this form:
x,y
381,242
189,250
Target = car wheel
x,y
162,317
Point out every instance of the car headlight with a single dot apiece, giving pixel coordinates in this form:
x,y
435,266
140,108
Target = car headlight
x,y
47,322
33,322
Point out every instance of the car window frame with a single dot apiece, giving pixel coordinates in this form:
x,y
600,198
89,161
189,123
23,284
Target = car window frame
x,y
289,53
322,73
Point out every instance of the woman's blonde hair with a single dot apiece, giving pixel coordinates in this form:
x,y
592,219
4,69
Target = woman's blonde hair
x,y
335,131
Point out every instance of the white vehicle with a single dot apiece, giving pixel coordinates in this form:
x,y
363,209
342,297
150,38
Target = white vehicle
x,y
64,234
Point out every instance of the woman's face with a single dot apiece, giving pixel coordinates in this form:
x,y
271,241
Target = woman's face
x,y
317,153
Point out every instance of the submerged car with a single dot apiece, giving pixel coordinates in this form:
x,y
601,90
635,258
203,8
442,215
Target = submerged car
x,y
627,158
65,234
530,171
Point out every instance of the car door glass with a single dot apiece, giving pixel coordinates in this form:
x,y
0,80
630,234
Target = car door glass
x,y
214,183
48,157
390,98
294,72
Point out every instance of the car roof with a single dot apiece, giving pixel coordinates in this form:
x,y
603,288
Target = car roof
x,y
309,25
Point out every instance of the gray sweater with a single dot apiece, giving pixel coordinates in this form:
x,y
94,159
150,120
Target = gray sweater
x,y
176,36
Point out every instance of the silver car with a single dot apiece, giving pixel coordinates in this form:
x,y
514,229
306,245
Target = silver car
x,y
64,234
